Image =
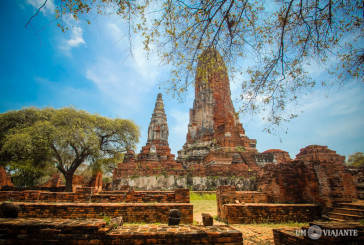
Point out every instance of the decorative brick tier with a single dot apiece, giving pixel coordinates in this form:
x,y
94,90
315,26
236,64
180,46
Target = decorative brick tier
x,y
269,213
63,231
131,212
177,196
294,236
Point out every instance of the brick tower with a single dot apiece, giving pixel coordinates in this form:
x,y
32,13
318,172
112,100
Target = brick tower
x,y
214,127
157,148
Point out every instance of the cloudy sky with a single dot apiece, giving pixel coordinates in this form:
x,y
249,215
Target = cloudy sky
x,y
90,67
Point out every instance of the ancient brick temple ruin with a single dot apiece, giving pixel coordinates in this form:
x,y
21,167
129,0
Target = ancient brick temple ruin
x,y
218,152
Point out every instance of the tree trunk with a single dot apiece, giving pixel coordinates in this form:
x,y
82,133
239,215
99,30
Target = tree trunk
x,y
69,177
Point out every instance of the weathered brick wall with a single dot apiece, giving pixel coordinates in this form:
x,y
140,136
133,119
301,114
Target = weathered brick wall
x,y
227,194
269,213
318,175
131,212
358,178
286,182
63,231
88,195
147,168
222,170
272,156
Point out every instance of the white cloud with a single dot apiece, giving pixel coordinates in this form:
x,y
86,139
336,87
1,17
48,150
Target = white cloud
x,y
48,8
76,37
120,82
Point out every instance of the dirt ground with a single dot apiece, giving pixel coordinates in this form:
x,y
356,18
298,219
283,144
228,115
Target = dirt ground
x,y
252,233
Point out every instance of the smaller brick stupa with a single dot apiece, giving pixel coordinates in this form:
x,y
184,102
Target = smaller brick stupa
x,y
157,148
155,157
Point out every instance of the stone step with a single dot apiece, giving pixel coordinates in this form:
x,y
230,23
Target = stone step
x,y
359,212
351,205
338,220
344,216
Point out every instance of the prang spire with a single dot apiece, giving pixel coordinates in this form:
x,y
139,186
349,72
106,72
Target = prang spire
x,y
158,127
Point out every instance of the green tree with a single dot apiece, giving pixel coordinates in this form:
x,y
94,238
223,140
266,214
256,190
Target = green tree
x,y
356,159
283,38
64,138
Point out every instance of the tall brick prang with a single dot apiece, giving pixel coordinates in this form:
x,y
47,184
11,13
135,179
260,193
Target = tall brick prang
x,y
214,126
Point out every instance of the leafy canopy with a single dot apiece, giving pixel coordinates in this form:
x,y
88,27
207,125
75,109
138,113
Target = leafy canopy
x,y
356,159
64,138
282,39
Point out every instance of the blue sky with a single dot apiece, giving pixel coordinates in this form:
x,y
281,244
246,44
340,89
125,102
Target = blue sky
x,y
89,67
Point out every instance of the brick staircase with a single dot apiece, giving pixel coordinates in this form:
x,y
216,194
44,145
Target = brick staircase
x,y
347,212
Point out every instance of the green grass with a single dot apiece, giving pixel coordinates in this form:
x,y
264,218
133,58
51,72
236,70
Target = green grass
x,y
194,196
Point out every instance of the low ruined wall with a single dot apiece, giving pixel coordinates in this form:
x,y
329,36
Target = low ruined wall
x,y
196,183
61,231
131,212
228,194
177,196
269,213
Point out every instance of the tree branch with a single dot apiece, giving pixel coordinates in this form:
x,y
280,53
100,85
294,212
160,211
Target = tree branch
x,y
36,13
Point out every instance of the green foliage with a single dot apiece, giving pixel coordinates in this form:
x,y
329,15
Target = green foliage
x,y
356,159
63,138
283,38
203,196
361,222
106,218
